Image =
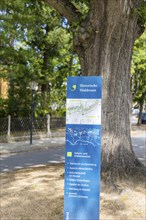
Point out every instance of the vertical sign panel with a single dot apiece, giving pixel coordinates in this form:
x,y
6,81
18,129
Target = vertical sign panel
x,y
82,154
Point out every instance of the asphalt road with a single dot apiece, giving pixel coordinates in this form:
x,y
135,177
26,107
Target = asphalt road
x,y
10,162
139,146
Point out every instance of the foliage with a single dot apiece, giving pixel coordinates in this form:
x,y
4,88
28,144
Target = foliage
x,y
138,71
82,6
142,12
35,45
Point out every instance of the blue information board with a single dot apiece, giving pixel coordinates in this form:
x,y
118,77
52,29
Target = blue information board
x,y
82,153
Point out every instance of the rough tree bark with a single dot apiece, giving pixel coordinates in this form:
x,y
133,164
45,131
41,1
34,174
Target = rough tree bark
x,y
104,42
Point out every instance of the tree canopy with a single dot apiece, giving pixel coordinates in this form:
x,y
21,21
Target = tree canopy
x,y
35,45
139,73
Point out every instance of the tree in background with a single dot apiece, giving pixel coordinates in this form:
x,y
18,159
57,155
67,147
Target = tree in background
x,y
138,72
51,45
13,61
104,34
36,45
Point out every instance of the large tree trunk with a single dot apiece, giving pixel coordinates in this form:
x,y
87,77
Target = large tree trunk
x,y
104,44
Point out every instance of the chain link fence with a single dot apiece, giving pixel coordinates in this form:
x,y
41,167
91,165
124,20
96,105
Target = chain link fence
x,y
56,122
17,129
3,126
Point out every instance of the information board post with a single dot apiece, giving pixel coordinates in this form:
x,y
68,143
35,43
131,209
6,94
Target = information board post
x,y
82,153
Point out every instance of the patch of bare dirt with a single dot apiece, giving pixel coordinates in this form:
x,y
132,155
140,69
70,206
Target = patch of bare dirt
x,y
37,194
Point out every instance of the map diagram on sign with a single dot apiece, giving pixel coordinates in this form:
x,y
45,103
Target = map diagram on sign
x,y
83,111
83,136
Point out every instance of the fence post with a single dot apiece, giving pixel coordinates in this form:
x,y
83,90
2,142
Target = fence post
x,y
48,126
9,129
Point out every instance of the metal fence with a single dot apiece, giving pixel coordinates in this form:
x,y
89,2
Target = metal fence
x,y
56,122
16,129
3,126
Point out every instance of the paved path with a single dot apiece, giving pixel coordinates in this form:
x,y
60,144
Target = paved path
x,y
139,145
42,152
46,143
10,162
22,154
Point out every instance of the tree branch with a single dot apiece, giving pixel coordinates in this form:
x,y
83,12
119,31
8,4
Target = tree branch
x,y
65,8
